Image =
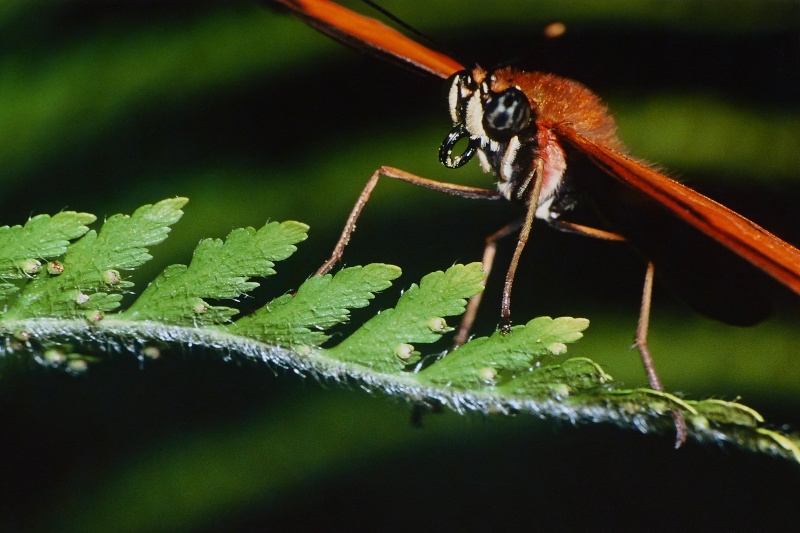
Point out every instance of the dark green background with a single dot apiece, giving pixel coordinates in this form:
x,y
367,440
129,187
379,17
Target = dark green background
x,y
105,106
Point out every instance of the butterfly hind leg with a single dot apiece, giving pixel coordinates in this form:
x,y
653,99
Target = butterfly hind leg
x,y
643,324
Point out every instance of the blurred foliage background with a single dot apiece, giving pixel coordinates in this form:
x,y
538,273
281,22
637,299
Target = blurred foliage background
x,y
105,106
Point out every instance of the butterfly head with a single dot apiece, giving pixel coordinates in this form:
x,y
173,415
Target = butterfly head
x,y
493,114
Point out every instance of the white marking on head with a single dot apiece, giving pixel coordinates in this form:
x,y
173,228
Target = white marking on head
x,y
474,119
453,99
507,166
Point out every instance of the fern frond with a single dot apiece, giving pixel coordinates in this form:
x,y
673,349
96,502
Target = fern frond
x,y
62,317
384,344
88,278
24,248
321,303
218,270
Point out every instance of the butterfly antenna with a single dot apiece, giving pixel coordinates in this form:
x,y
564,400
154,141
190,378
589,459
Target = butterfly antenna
x,y
397,20
408,27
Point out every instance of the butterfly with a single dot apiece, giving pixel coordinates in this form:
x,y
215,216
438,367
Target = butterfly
x,y
552,146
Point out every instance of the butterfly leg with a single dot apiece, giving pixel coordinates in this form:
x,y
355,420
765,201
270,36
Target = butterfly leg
x,y
447,188
641,345
532,203
488,259
643,324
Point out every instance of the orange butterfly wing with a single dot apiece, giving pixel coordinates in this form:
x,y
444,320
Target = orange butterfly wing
x,y
777,258
371,35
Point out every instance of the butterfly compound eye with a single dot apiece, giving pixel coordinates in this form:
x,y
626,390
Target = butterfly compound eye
x,y
506,114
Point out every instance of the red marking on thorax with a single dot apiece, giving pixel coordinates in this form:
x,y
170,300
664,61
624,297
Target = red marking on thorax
x,y
555,162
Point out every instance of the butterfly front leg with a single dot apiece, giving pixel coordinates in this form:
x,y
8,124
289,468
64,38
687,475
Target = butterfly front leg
x,y
453,189
486,262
